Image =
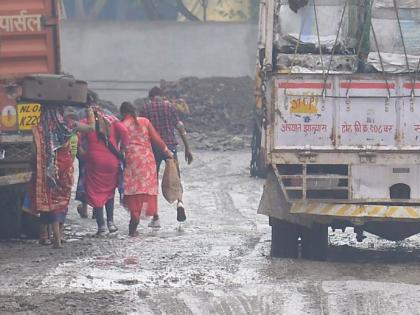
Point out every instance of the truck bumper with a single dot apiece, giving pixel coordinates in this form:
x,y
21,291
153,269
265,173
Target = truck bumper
x,y
349,211
19,178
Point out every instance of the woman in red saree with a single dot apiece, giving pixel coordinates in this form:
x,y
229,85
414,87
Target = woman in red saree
x,y
102,166
140,177
52,180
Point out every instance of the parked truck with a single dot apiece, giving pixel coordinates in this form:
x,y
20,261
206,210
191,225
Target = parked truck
x,y
340,103
29,44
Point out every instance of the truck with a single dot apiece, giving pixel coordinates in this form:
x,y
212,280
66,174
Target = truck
x,y
29,44
339,101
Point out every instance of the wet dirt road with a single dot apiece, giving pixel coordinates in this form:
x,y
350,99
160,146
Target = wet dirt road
x,y
217,264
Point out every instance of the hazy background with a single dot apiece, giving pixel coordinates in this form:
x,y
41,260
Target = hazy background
x,y
125,47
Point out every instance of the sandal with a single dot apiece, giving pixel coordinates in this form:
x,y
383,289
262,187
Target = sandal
x,y
180,212
82,210
45,242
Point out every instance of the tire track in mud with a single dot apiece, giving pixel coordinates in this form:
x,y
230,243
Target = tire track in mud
x,y
224,203
221,206
370,297
218,264
284,298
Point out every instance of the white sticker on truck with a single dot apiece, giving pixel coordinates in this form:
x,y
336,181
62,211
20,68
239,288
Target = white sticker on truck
x,y
368,117
410,114
303,116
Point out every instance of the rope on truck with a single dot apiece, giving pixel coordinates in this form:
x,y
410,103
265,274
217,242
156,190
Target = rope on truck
x,y
414,76
333,49
319,37
359,48
402,36
294,58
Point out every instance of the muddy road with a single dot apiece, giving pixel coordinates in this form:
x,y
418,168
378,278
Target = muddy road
x,y
218,263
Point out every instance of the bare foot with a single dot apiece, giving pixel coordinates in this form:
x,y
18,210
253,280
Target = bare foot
x,y
57,244
134,234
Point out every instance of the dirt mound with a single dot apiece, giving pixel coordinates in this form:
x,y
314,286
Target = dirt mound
x,y
215,103
109,106
220,110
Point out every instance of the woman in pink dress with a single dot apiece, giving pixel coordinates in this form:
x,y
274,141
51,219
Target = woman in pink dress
x,y
140,177
103,160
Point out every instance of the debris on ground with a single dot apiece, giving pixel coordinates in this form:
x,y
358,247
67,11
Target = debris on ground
x,y
219,110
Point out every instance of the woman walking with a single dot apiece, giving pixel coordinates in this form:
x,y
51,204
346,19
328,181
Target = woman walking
x,y
103,160
140,177
56,218
55,148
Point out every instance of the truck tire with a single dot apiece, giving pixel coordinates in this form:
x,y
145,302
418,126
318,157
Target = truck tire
x,y
261,166
315,242
284,239
255,149
13,221
30,225
10,211
258,168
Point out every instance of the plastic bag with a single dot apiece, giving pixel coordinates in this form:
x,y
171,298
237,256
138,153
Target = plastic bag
x,y
171,185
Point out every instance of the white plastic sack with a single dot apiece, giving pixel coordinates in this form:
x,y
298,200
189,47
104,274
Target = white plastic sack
x,y
393,63
400,3
389,36
387,30
329,15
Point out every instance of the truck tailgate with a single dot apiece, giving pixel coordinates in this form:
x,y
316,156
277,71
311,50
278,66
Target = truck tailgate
x,y
346,114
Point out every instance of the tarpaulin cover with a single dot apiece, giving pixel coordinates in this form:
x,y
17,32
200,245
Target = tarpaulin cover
x,y
290,24
389,41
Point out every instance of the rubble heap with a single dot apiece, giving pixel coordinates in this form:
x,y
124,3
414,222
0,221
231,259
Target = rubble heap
x,y
109,106
220,110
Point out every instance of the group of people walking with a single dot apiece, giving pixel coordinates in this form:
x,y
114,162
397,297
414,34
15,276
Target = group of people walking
x,y
123,154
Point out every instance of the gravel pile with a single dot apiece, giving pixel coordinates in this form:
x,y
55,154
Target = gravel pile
x,y
220,110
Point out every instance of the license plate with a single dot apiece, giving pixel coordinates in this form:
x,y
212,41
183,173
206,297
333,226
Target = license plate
x,y
28,115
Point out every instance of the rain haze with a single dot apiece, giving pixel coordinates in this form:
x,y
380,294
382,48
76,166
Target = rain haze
x,y
286,137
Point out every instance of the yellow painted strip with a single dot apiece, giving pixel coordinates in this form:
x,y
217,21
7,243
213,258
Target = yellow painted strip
x,y
295,208
327,209
412,212
358,212
298,208
352,210
375,211
391,211
311,208
343,210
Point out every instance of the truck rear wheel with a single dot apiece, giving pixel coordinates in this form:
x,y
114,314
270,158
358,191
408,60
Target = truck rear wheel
x,y
284,239
315,242
13,221
10,213
258,168
30,225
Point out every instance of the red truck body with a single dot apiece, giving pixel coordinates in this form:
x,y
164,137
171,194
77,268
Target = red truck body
x,y
29,44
